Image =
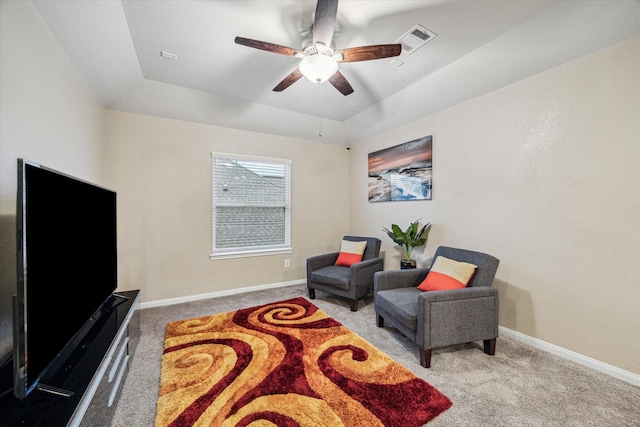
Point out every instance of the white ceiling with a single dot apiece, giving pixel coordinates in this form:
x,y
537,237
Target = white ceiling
x,y
480,46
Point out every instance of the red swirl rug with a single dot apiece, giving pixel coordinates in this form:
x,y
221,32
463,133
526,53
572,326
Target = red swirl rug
x,y
285,364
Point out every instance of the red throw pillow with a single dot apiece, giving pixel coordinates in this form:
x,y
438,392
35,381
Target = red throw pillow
x,y
350,252
447,274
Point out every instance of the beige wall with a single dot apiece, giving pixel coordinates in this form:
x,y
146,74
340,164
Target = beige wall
x,y
48,115
161,170
544,175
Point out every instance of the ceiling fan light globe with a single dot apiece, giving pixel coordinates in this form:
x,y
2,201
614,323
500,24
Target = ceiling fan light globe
x,y
318,68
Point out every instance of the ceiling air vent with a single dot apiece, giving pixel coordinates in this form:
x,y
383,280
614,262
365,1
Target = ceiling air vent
x,y
415,38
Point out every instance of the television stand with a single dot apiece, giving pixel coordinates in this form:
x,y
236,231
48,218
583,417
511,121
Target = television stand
x,y
93,374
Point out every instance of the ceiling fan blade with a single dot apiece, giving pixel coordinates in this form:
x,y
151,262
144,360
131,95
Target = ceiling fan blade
x,y
325,21
288,81
269,47
367,53
340,82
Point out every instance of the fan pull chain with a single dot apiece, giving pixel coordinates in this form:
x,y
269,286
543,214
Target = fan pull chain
x,y
320,117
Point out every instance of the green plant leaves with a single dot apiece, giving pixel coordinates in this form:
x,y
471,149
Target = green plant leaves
x,y
408,239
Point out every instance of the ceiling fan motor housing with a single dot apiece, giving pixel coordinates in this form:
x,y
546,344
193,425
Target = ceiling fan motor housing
x,y
308,48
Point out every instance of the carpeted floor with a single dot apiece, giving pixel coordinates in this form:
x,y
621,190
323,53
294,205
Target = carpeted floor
x,y
519,386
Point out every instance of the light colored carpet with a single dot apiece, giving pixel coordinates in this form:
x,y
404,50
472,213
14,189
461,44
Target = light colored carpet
x,y
519,386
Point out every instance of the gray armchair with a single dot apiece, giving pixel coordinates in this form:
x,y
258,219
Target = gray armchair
x,y
354,282
436,319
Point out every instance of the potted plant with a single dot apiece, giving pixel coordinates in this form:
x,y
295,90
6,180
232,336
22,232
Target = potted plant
x,y
408,239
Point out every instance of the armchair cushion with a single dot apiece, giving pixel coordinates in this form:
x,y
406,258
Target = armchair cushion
x,y
447,274
350,252
332,275
402,304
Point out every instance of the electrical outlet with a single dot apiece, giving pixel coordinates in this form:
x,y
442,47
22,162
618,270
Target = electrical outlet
x,y
287,263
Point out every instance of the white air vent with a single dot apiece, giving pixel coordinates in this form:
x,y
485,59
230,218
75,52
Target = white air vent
x,y
169,55
415,38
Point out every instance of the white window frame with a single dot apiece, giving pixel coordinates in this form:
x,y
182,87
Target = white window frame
x,y
250,251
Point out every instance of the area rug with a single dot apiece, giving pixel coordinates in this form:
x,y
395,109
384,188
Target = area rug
x,y
285,364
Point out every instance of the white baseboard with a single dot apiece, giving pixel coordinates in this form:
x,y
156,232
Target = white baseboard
x,y
216,294
605,368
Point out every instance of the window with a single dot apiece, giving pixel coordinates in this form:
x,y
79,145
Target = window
x,y
251,206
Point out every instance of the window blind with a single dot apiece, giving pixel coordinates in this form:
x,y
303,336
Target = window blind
x,y
251,204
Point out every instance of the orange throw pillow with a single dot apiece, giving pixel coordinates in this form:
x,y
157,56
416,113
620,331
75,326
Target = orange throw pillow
x,y
447,274
350,252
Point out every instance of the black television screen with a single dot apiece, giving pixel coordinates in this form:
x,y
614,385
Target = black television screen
x,y
67,266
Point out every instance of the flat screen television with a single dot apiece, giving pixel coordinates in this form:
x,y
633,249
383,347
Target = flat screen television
x,y
67,268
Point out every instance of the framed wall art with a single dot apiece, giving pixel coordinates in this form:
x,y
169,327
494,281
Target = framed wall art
x,y
402,172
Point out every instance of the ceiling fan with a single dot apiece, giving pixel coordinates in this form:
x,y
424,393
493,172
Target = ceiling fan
x,y
319,59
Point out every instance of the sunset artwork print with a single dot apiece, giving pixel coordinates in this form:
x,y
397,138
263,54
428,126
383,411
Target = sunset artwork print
x,y
402,172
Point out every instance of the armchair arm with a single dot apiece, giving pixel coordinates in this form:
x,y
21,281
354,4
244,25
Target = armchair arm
x,y
458,294
366,264
361,273
393,279
457,316
319,261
